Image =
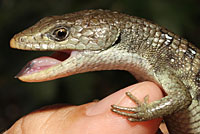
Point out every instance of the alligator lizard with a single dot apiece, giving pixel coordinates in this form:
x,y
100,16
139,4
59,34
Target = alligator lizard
x,y
93,40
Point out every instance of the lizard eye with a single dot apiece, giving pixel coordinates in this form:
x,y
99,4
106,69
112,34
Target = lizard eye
x,y
60,34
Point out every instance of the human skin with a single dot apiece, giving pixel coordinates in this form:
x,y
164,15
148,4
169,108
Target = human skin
x,y
91,118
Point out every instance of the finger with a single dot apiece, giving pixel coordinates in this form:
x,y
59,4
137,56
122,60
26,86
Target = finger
x,y
120,124
90,118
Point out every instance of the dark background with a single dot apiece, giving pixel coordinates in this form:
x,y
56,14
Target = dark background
x,y
18,98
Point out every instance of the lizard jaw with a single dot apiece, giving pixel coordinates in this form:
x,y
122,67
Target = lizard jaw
x,y
56,66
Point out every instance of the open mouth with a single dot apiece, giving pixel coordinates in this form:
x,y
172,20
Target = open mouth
x,y
44,62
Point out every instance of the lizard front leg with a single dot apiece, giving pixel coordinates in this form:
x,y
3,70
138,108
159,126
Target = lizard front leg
x,y
177,98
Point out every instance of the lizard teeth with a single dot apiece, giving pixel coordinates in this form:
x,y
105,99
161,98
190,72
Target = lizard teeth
x,y
74,53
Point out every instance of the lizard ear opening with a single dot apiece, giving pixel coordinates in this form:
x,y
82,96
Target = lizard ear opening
x,y
118,39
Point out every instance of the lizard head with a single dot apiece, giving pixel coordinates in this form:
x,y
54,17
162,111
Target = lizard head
x,y
76,38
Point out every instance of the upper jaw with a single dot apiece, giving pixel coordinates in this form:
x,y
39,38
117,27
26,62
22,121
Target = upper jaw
x,y
29,42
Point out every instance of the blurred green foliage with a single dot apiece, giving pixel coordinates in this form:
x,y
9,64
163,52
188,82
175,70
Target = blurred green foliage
x,y
18,98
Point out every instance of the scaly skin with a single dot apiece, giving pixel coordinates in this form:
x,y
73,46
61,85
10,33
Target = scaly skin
x,y
106,40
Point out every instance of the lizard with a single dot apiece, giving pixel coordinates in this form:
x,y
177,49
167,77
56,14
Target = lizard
x,y
95,40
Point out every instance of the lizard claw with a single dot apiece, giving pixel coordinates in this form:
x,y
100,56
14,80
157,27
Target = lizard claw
x,y
119,108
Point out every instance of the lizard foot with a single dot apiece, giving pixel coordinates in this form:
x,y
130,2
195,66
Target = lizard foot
x,y
139,113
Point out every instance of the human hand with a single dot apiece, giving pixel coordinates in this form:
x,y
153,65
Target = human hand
x,y
91,118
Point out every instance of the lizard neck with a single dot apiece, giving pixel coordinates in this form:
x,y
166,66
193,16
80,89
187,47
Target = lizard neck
x,y
117,58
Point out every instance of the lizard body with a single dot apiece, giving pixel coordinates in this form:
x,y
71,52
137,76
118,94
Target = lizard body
x,y
93,40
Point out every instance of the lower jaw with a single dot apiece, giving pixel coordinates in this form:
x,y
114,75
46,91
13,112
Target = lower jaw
x,y
45,62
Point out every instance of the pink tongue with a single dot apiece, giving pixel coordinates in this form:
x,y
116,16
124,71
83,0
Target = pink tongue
x,y
37,65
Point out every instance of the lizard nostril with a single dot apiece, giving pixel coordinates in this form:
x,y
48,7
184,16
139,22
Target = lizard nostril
x,y
22,39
